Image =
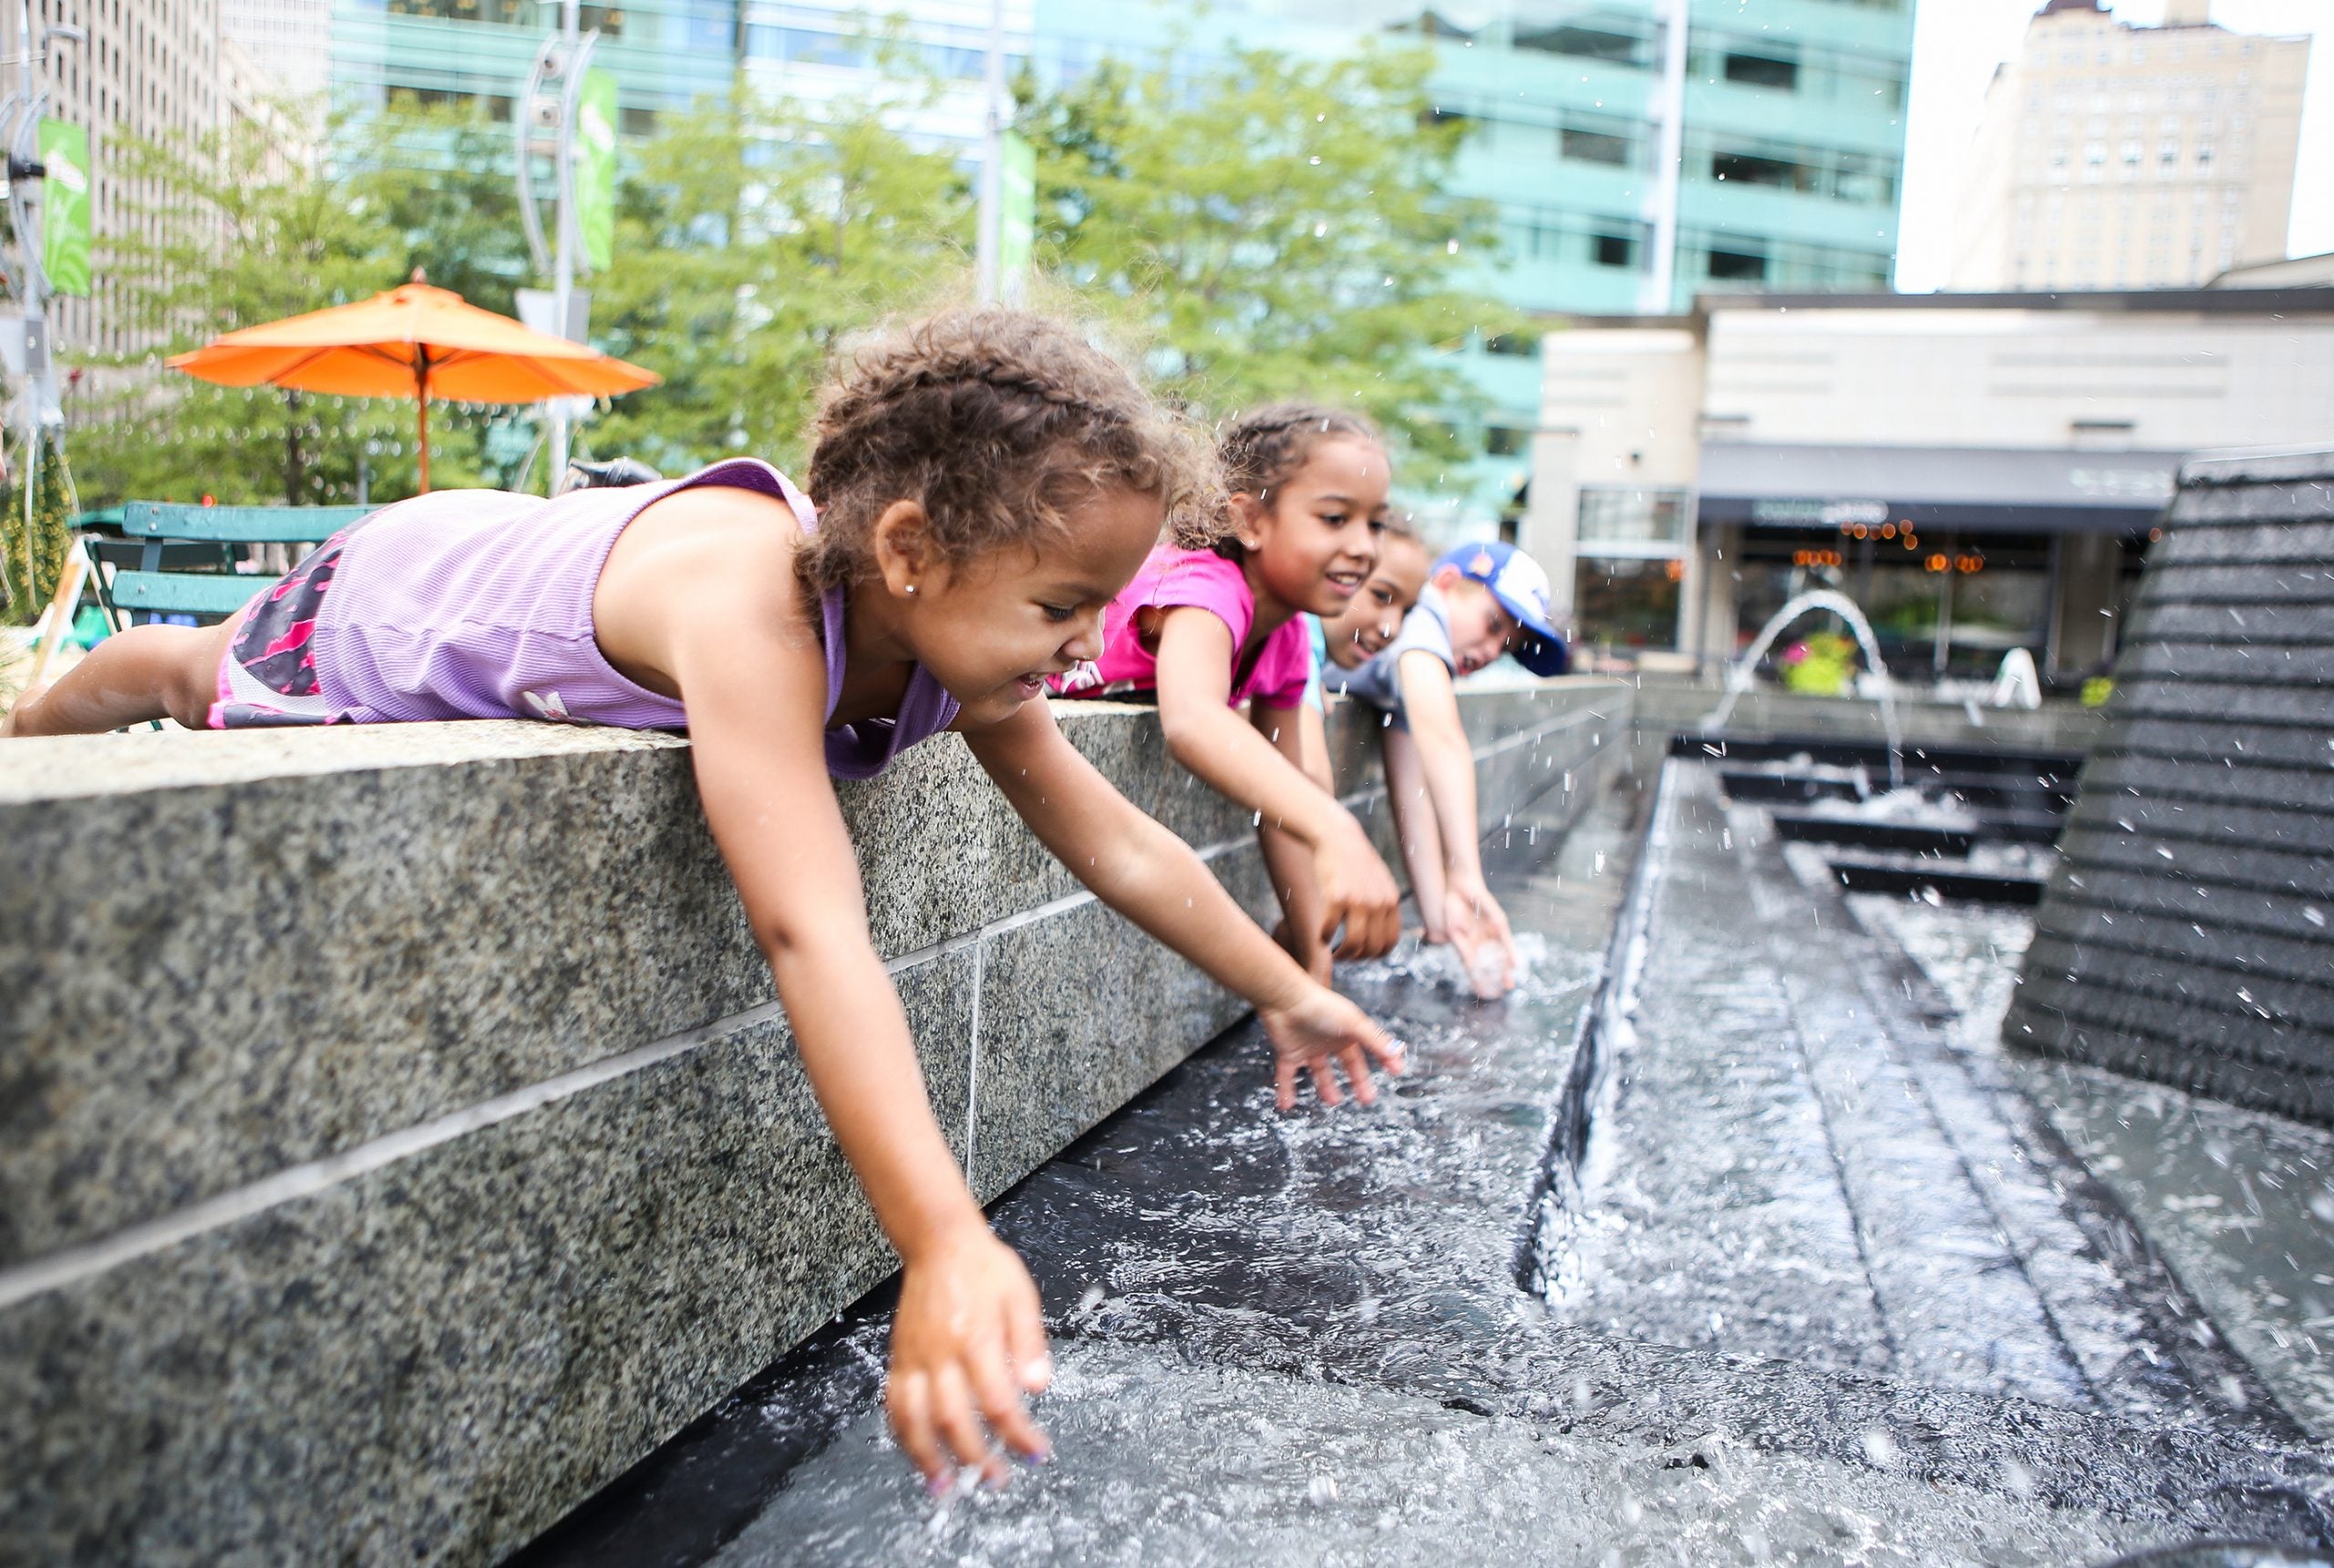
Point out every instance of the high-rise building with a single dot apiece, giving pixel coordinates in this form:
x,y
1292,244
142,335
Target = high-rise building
x,y
1631,168
1632,164
2113,157
145,71
289,42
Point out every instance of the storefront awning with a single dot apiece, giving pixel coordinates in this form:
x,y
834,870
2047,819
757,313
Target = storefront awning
x,y
1974,489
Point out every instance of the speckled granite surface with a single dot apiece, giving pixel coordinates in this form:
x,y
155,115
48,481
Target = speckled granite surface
x,y
337,1222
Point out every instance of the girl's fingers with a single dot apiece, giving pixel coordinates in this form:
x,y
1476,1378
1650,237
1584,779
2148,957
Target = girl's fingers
x,y
952,1411
1285,1084
1000,1400
1324,1082
1386,1048
1357,1075
908,1401
1025,1337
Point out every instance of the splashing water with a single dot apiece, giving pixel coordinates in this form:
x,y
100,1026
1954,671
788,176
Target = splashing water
x,y
1739,677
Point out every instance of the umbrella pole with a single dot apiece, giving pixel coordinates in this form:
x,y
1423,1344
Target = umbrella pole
x,y
421,415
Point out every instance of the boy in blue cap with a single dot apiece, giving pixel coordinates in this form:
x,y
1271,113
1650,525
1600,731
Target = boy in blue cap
x,y
1483,600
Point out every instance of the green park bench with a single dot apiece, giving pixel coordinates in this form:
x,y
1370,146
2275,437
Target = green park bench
x,y
185,555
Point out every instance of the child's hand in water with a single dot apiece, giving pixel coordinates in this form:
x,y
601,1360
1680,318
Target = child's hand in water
x,y
968,1344
1321,1028
1358,892
1479,932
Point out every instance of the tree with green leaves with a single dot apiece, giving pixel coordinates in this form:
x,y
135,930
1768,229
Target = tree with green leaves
x,y
235,233
1275,230
753,237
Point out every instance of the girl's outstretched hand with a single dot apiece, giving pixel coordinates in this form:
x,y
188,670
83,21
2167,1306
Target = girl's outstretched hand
x,y
969,1346
1358,892
1322,1029
1479,930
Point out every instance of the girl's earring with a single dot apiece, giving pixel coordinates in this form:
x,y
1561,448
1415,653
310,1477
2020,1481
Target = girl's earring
x,y
910,587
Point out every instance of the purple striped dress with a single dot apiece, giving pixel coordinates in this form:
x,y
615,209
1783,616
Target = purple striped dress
x,y
478,604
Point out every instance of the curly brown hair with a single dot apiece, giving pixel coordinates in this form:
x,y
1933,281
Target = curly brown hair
x,y
1264,448
995,422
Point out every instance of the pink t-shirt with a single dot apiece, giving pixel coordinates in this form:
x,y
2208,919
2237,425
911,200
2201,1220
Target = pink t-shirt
x,y
1205,580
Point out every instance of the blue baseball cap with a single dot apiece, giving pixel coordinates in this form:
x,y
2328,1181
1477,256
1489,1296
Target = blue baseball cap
x,y
1522,589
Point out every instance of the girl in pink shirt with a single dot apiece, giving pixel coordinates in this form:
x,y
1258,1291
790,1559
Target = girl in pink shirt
x,y
1208,630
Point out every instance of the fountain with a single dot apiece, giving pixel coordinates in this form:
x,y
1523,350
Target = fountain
x,y
1739,677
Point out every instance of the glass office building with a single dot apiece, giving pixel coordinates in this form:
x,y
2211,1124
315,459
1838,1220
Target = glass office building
x,y
1789,125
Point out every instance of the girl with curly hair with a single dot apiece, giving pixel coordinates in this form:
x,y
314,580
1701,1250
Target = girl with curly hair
x,y
986,484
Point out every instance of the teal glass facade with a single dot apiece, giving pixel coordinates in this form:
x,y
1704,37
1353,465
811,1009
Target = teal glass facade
x,y
665,53
1790,148
1791,140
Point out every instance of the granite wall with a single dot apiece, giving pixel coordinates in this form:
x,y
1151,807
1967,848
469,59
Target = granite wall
x,y
2185,936
400,1135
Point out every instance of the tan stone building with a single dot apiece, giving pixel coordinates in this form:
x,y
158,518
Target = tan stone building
x,y
2114,156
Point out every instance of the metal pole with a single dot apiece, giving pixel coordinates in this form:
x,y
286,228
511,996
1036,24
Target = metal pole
x,y
562,284
1654,297
986,243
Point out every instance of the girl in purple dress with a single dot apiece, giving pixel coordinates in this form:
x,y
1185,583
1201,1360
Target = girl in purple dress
x,y
985,484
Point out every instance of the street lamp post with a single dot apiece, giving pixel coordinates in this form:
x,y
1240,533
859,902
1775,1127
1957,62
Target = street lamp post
x,y
20,114
547,123
987,244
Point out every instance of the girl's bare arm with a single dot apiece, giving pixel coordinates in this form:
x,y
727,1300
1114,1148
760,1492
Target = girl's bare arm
x,y
968,1339
1194,675
1299,735
1431,706
1150,876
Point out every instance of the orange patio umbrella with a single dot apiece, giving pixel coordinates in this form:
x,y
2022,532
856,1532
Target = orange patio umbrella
x,y
415,342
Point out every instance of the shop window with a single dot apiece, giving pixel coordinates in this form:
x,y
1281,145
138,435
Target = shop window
x,y
1628,603
1738,266
1593,146
1615,251
1763,71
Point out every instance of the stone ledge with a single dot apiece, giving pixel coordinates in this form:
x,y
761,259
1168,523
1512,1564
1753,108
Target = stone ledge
x,y
325,1237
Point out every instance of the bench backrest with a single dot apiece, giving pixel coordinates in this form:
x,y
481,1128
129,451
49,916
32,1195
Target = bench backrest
x,y
236,524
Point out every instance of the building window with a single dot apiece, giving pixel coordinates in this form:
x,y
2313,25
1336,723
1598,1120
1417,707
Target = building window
x,y
1513,344
1616,250
1628,601
2203,155
1763,71
1748,168
1738,266
1590,44
1615,516
509,13
1593,146
1506,441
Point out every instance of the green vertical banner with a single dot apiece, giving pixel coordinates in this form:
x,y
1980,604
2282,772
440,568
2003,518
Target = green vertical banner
x,y
65,207
595,165
1017,214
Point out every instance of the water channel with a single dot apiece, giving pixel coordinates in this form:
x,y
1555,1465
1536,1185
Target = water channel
x,y
1733,1234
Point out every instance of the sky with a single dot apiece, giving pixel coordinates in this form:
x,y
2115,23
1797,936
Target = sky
x,y
1956,44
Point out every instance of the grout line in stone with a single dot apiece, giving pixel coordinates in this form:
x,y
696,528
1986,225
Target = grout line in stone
x,y
972,1071
76,1262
